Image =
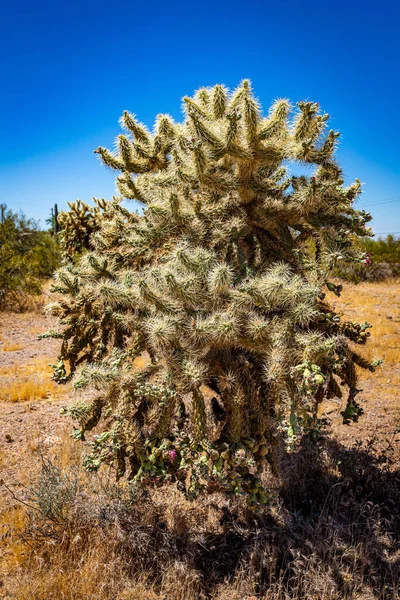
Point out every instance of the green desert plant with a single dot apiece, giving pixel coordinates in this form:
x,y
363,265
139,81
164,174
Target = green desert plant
x,y
382,250
27,256
221,283
382,261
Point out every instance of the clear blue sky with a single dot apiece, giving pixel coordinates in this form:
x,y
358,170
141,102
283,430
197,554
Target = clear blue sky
x,y
68,70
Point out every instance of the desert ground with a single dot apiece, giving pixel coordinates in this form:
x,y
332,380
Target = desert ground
x,y
31,425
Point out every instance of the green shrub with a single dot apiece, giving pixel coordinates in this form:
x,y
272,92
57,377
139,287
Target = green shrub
x,y
382,261
27,256
382,250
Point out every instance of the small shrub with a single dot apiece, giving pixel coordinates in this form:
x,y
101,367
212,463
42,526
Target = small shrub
x,y
382,262
27,256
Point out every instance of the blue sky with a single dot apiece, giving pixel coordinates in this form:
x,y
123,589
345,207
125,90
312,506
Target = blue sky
x,y
68,70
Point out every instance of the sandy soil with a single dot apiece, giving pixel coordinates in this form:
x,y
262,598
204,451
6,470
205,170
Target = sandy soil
x,y
36,424
379,304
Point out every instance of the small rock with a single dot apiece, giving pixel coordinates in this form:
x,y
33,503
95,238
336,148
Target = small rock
x,y
389,317
9,439
52,440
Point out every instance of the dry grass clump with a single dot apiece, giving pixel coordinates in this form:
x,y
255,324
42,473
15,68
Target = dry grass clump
x,y
19,302
12,547
29,381
332,531
23,391
11,347
24,302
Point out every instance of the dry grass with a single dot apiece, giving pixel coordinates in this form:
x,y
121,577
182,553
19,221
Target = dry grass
x,y
37,330
30,381
29,303
12,548
377,303
140,362
24,391
91,572
39,366
333,533
11,347
65,452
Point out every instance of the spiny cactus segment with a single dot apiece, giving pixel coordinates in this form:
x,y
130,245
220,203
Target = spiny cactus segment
x,y
78,224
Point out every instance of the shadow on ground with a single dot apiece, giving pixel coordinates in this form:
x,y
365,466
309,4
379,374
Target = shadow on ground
x,y
332,531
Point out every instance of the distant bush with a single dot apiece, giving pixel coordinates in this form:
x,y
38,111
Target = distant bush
x,y
382,262
387,250
27,256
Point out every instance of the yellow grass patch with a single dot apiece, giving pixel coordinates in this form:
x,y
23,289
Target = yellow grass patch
x,y
11,347
3,459
33,389
76,577
30,381
12,549
38,366
37,330
141,361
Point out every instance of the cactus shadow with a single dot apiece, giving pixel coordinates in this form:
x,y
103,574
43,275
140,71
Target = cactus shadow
x,y
336,525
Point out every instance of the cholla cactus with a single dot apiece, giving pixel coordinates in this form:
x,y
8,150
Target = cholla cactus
x,y
78,224
221,284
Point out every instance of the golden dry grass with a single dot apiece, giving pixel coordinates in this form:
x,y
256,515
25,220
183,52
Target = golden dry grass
x,y
23,391
379,304
90,573
12,549
66,453
11,347
29,381
37,330
141,361
40,366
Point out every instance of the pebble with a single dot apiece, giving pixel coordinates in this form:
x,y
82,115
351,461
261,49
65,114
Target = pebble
x,y
51,440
